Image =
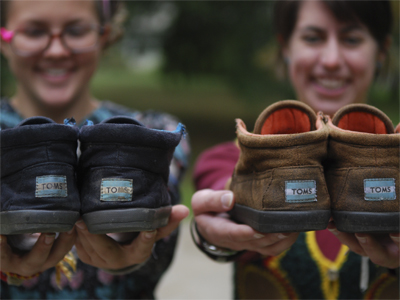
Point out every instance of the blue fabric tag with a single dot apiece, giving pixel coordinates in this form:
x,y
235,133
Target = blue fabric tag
x,y
51,186
300,191
116,189
378,189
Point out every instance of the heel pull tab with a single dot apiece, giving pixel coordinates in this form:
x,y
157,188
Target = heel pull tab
x,y
70,122
323,117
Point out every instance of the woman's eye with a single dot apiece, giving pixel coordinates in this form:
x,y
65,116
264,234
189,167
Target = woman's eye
x,y
35,32
77,30
311,39
352,41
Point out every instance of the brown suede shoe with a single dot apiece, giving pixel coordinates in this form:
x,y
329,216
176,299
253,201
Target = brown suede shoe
x,y
362,171
279,182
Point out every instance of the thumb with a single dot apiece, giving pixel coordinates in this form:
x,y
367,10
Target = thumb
x,y
207,200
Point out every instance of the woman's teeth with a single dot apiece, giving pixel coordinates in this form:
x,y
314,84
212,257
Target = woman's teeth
x,y
56,72
331,83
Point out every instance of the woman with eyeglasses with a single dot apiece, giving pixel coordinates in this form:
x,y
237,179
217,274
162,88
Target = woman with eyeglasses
x,y
53,49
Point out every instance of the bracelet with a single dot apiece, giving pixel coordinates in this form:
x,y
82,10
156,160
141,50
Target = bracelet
x,y
16,279
216,253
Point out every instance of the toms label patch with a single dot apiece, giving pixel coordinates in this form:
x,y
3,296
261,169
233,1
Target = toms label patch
x,y
378,189
116,189
51,186
300,191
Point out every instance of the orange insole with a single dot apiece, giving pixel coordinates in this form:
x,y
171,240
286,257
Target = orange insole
x,y
362,122
286,121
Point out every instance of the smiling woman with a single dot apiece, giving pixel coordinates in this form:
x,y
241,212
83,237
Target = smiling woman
x,y
47,69
53,49
333,49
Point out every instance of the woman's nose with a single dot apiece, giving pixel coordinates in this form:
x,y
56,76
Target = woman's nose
x,y
331,56
56,48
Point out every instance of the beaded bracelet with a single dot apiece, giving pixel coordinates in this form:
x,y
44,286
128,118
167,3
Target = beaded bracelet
x,y
16,279
66,266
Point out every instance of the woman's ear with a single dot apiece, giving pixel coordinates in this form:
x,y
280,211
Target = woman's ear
x,y
105,37
384,50
282,45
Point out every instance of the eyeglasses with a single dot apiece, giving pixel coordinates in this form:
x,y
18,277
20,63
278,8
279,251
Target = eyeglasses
x,y
35,40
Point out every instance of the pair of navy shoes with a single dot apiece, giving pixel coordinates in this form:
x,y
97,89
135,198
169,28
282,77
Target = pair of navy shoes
x,y
118,183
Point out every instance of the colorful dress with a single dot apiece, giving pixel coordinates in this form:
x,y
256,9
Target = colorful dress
x,y
93,283
317,266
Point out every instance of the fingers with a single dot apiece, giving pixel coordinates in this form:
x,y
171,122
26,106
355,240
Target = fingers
x,y
36,258
178,213
140,248
348,239
381,250
212,201
8,259
62,245
92,248
101,251
395,238
222,232
46,253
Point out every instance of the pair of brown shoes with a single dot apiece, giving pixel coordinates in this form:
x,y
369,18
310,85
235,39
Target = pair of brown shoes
x,y
299,168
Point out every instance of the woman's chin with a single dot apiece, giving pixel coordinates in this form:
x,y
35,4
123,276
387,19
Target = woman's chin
x,y
327,106
56,103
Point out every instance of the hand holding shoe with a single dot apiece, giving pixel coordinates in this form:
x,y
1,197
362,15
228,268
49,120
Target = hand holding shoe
x,y
101,251
382,249
45,254
213,223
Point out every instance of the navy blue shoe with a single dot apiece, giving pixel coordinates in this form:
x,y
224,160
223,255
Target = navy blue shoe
x,y
38,182
123,175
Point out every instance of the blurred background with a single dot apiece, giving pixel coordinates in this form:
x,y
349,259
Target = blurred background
x,y
206,62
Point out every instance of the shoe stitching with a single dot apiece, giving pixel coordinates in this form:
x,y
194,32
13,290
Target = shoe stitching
x,y
344,180
266,190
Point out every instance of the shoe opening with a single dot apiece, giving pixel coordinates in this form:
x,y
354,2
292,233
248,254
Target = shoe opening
x,y
362,122
286,121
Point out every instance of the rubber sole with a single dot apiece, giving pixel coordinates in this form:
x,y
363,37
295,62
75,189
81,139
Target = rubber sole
x,y
367,222
281,221
32,221
127,220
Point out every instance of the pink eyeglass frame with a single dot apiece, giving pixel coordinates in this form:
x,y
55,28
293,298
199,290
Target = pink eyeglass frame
x,y
6,35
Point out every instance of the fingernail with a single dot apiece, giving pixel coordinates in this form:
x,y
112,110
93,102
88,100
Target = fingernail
x,y
80,224
334,231
361,239
281,236
49,238
150,234
258,236
393,237
227,199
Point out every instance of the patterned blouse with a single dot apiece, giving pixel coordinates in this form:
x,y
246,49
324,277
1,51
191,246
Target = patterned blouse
x,y
89,282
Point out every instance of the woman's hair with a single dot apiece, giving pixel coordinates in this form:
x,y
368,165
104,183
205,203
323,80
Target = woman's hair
x,y
375,15
112,12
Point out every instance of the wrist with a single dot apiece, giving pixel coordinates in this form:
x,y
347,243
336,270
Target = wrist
x,y
214,252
